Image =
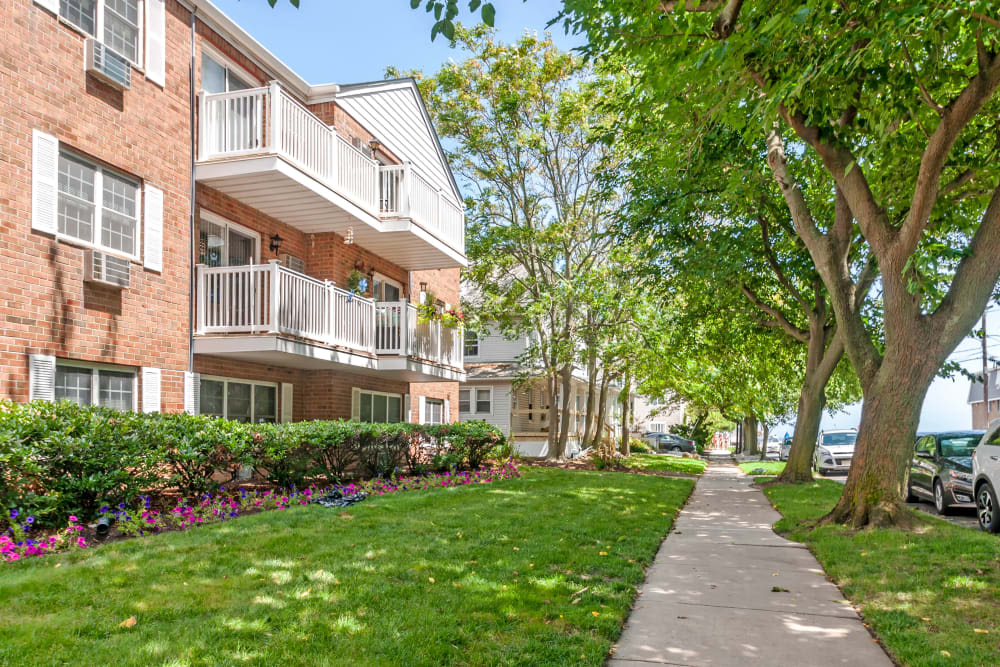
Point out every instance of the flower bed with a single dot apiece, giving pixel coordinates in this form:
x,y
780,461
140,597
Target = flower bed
x,y
213,508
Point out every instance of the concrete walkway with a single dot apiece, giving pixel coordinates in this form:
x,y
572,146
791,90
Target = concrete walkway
x,y
708,596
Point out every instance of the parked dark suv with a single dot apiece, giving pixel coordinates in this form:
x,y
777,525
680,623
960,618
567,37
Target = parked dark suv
x,y
669,442
941,469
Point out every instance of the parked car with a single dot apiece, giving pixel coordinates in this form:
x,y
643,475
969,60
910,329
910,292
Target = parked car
x,y
834,450
786,449
941,469
670,442
986,477
773,449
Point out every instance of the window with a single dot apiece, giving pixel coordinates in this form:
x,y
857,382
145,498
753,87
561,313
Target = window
x,y
386,289
471,344
379,408
433,411
98,206
117,22
484,401
217,77
224,243
463,400
239,400
87,385
926,445
657,427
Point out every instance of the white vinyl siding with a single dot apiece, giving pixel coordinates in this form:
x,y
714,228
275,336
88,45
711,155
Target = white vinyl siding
x,y
394,114
496,348
117,23
94,385
97,206
500,404
239,400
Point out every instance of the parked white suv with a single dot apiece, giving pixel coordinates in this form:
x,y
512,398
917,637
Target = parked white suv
x,y
986,477
834,450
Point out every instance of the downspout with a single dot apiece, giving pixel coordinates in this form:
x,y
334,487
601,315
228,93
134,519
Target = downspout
x,y
191,257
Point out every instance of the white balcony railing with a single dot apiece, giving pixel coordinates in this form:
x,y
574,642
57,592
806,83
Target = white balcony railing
x,y
397,332
269,298
262,121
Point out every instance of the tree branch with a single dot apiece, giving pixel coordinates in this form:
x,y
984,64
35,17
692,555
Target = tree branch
x,y
779,317
776,267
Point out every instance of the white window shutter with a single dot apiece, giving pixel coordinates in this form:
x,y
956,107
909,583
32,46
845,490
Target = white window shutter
x,y
44,182
407,417
192,392
421,407
41,377
153,229
447,411
151,389
51,5
287,389
355,404
156,42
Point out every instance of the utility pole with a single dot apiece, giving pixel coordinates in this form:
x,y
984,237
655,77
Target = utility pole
x,y
986,378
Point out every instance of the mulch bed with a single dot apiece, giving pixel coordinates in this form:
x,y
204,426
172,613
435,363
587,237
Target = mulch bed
x,y
577,464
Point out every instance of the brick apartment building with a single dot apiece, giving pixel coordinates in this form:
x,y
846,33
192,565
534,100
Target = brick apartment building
x,y
181,213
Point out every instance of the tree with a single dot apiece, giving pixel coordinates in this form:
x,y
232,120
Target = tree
x,y
519,120
884,113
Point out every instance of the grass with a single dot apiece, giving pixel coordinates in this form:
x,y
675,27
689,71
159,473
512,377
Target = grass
x,y
932,596
669,463
471,575
770,467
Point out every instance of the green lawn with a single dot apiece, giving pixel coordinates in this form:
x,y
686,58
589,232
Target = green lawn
x,y
671,463
470,575
932,596
772,467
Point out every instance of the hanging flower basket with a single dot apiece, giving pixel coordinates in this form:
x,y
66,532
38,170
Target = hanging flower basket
x,y
453,319
427,310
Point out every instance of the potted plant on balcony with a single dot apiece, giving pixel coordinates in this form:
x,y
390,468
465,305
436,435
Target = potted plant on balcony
x,y
354,280
453,319
427,309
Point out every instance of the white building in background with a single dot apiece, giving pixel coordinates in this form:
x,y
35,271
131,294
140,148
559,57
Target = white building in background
x,y
495,392
655,415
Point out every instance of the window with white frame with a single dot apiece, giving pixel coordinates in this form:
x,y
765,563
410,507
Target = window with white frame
x,y
657,427
239,400
433,411
117,23
464,400
380,408
93,385
386,289
225,243
471,344
484,401
97,205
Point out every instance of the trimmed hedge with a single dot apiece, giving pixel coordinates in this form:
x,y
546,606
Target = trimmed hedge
x,y
60,458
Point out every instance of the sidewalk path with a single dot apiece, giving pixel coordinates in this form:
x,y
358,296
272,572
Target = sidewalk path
x,y
708,596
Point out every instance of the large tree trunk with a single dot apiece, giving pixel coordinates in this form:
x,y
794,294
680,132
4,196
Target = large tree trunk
x,y
763,441
602,408
750,435
889,418
588,430
566,393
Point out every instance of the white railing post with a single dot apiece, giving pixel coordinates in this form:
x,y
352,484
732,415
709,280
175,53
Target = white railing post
x,y
332,157
273,122
202,294
252,291
404,190
331,304
203,125
275,272
437,213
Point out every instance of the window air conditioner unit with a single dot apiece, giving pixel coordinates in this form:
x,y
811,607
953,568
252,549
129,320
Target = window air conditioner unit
x,y
100,267
107,65
292,262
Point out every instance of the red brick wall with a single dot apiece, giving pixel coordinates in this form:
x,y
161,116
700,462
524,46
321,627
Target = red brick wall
x,y
442,282
329,258
143,132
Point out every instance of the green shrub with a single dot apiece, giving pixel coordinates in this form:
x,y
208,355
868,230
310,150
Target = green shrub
x,y
637,446
58,459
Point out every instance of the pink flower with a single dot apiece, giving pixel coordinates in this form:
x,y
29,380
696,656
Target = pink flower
x,y
72,518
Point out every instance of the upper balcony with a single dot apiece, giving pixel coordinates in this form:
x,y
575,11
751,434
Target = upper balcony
x,y
266,313
263,147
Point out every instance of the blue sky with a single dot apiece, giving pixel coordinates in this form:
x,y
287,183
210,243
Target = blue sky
x,y
335,41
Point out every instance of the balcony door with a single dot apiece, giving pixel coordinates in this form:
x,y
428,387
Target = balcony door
x,y
236,120
225,243
237,297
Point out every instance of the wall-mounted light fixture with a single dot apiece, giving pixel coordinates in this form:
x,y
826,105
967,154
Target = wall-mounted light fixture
x,y
349,236
276,243
374,145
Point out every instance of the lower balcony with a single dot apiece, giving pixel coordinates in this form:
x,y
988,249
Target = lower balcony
x,y
269,314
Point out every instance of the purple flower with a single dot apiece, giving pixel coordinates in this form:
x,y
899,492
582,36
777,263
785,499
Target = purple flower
x,y
13,514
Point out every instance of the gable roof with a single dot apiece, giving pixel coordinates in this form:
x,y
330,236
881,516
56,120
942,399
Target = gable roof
x,y
394,111
976,387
